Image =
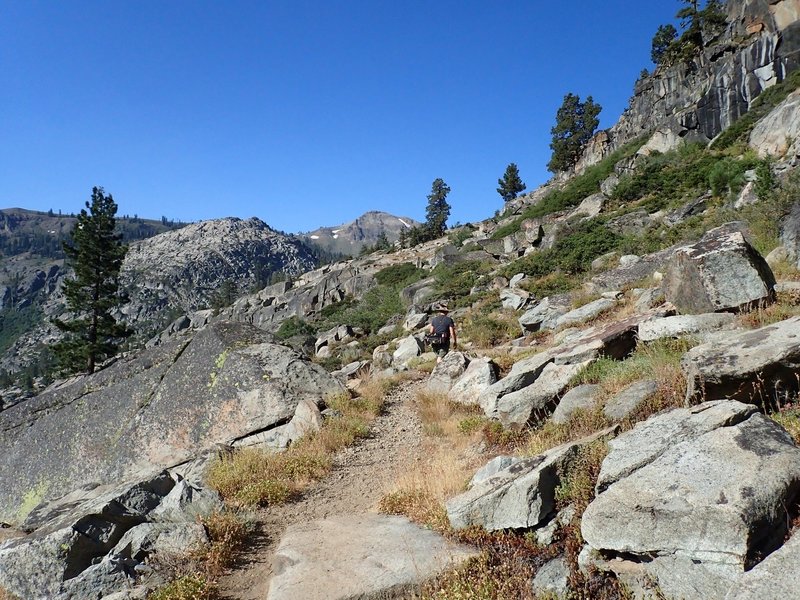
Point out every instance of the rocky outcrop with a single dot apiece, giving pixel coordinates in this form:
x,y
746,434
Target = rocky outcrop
x,y
157,409
703,488
722,272
699,100
95,541
181,270
521,495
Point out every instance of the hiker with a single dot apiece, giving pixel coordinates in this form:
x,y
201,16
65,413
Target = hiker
x,y
441,331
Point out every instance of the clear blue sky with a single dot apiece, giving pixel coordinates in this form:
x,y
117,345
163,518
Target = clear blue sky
x,y
302,113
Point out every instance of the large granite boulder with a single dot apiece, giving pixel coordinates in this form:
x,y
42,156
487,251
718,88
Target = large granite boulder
x,y
521,495
680,325
408,348
582,397
480,374
627,400
774,577
702,490
774,134
359,556
447,372
580,315
546,311
721,272
160,408
758,366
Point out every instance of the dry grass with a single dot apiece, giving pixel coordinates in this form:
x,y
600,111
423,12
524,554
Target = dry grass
x,y
254,477
194,586
486,330
6,595
581,423
789,419
444,467
228,532
786,305
578,478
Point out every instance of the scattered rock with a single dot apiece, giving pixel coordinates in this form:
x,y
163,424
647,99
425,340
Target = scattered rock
x,y
446,373
514,298
582,397
552,578
545,312
580,315
479,376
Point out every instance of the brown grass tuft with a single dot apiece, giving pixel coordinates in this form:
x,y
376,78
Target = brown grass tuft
x,y
228,533
253,477
195,586
786,305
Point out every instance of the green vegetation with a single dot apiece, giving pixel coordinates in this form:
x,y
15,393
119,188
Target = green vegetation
x,y
195,586
96,255
454,281
294,326
436,215
571,254
668,48
402,274
574,191
576,123
510,184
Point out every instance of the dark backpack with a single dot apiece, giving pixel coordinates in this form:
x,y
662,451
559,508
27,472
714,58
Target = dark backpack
x,y
441,331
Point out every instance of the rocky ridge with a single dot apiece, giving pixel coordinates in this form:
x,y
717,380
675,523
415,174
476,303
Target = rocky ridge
x,y
348,238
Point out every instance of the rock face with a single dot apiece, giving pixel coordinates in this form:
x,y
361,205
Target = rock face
x,y
722,272
756,51
758,366
703,488
158,409
181,269
779,130
679,325
359,556
91,542
774,577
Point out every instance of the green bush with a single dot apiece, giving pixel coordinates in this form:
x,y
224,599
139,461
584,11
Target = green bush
x,y
454,281
571,254
402,274
294,326
574,191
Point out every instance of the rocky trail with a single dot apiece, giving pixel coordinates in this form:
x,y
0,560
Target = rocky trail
x,y
360,476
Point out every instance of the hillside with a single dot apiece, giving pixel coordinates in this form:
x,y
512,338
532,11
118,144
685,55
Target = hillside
x,y
619,418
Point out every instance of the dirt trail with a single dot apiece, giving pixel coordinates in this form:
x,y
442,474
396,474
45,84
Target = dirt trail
x,y
361,475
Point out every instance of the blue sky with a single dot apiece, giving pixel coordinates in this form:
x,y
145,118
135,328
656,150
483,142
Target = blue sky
x,y
302,113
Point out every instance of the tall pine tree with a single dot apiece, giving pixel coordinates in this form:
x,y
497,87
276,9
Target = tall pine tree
x,y
95,253
438,210
510,184
576,122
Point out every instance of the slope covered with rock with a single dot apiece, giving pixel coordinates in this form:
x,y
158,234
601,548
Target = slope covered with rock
x,y
627,380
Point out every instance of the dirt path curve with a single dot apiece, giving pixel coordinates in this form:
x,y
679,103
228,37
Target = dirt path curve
x,y
360,476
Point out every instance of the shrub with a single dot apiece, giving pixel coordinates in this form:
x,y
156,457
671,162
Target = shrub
x,y
789,419
294,326
189,587
228,533
454,281
489,330
402,274
571,254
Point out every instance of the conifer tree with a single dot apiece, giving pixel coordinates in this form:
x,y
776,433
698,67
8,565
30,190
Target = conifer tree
x,y
95,253
576,122
438,210
510,183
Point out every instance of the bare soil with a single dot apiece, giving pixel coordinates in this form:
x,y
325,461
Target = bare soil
x,y
360,477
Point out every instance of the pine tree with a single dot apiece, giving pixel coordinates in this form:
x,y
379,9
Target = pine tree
x,y
662,40
510,183
438,210
576,122
95,253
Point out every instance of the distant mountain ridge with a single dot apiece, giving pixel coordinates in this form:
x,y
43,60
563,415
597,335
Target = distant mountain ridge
x,y
348,238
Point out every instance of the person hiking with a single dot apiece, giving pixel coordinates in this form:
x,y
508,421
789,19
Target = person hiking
x,y
441,331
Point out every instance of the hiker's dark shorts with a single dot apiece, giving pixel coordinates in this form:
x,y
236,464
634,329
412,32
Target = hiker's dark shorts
x,y
441,349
